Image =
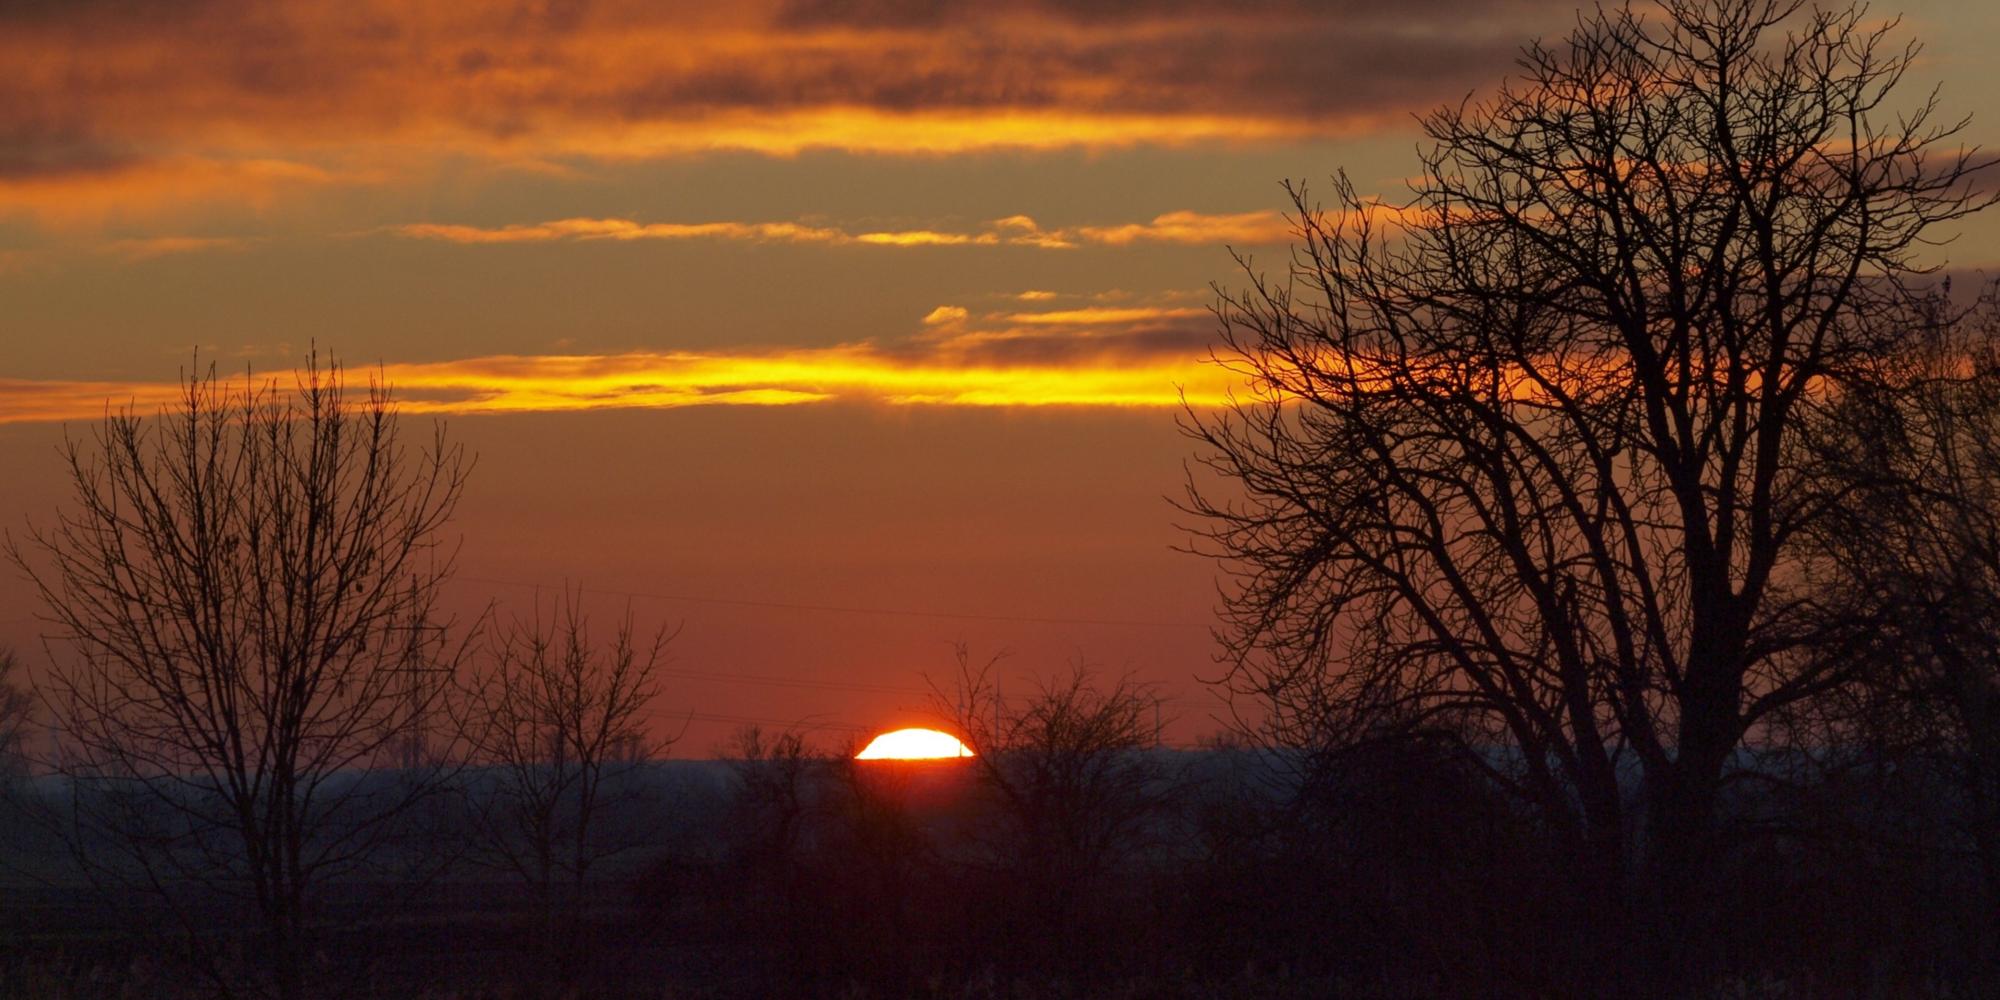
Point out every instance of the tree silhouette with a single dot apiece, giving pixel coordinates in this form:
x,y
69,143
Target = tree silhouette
x,y
1071,785
559,718
247,588
15,706
773,800
1528,461
1922,541
775,829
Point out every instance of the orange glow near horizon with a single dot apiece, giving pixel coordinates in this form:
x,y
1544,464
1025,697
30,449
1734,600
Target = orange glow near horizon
x,y
914,744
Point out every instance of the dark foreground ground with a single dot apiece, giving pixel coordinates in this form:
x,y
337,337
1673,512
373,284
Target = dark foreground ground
x,y
1208,876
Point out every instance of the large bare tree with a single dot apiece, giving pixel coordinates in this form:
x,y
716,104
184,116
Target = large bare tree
x,y
245,591
1529,459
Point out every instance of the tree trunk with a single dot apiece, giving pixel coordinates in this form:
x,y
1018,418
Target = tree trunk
x,y
1681,852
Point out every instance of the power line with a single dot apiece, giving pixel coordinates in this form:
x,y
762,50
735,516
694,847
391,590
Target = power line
x,y
798,682
745,720
850,610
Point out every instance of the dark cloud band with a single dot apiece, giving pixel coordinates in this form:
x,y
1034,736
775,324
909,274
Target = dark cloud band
x,y
94,84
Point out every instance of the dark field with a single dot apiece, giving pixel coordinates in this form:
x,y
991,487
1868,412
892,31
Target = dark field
x,y
1232,874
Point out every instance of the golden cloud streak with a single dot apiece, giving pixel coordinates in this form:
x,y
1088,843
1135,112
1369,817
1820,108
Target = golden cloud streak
x,y
866,130
221,169
1182,228
666,380
624,229
1196,228
1104,316
27,401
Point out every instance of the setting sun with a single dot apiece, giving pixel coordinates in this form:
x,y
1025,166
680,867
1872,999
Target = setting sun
x,y
914,744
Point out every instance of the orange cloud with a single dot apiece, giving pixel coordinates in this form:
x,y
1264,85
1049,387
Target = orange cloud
x,y
1086,336
926,238
121,108
131,249
929,133
1137,356
1184,227
624,229
1099,316
665,380
1196,228
34,401
145,189
147,248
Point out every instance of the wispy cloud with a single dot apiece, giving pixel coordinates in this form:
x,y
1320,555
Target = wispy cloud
x,y
544,384
624,229
1105,316
1123,357
135,249
1194,228
145,187
39,400
946,316
1181,227
1086,336
149,247
106,106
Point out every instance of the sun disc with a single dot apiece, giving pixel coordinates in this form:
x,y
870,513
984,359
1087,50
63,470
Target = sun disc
x,y
914,744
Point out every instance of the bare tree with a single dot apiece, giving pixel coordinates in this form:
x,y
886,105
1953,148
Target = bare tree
x,y
560,720
1923,541
15,706
775,829
247,588
774,774
1070,769
1527,461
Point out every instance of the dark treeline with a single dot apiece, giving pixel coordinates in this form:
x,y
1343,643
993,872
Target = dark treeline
x,y
1398,871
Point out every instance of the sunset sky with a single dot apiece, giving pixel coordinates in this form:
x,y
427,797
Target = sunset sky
x,y
835,331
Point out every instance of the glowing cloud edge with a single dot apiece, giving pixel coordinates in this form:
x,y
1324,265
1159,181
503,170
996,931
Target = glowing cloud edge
x,y
852,373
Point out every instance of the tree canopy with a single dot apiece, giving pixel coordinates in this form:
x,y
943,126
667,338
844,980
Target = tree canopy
x,y
1532,459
